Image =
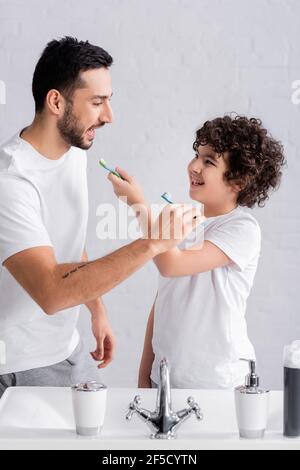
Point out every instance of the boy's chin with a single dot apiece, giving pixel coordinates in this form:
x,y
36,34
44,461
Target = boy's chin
x,y
195,197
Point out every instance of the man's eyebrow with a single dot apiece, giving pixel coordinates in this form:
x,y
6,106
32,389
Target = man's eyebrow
x,y
101,97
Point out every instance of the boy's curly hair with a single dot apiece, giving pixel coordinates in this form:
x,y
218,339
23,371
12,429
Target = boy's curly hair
x,y
255,158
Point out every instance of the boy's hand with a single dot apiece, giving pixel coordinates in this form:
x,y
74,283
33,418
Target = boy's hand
x,y
174,224
129,189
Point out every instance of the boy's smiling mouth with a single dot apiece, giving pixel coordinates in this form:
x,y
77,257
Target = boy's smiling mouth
x,y
196,181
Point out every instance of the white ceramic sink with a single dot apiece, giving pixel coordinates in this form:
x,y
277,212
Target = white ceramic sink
x,y
41,418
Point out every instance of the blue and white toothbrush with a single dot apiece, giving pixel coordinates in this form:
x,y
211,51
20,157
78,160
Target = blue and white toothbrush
x,y
168,198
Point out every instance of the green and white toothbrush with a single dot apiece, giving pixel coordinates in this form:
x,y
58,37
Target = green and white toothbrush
x,y
103,163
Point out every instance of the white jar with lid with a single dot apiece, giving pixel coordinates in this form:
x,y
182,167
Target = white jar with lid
x,y
89,405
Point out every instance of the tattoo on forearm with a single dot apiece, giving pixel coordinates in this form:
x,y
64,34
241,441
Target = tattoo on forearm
x,y
74,270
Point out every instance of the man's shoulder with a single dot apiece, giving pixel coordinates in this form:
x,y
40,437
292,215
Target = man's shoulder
x,y
12,183
13,187
7,151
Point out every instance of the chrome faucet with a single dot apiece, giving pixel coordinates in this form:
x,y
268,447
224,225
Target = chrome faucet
x,y
164,422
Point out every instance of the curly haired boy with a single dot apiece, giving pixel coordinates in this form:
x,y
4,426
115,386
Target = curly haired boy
x,y
198,317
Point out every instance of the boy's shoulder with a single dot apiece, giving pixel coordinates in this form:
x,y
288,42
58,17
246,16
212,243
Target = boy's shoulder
x,y
239,219
238,235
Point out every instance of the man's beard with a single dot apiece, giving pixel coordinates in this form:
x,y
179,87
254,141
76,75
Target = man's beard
x,y
71,130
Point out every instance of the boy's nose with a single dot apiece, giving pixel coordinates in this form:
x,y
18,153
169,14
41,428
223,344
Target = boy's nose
x,y
197,167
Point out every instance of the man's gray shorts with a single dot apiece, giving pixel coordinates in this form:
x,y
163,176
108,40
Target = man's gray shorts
x,y
79,367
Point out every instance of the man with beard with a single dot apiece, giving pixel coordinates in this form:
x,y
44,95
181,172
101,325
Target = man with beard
x,y
45,274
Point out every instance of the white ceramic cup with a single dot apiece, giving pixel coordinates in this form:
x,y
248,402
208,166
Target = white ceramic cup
x,y
89,405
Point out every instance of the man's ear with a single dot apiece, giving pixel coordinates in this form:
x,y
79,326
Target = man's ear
x,y
55,102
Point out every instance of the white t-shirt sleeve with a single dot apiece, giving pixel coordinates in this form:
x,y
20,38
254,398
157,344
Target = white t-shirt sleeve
x,y
21,224
239,239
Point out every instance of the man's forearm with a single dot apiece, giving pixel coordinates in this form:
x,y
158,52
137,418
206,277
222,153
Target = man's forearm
x,y
80,283
95,306
145,219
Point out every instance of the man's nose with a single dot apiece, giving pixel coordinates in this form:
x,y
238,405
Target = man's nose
x,y
106,113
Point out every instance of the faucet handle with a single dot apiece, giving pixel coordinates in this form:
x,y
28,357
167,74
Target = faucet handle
x,y
195,408
133,407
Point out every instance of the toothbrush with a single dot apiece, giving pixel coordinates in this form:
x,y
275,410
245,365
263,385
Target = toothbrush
x,y
102,163
168,198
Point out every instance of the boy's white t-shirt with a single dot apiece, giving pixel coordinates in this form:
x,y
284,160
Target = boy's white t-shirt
x,y
199,321
43,202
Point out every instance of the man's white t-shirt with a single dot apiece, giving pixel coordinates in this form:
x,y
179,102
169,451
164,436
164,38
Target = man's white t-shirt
x,y
199,321
43,202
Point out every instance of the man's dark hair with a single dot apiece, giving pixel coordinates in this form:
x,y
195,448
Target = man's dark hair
x,y
60,65
254,161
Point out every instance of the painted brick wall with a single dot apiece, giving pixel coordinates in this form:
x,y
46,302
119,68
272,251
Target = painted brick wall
x,y
177,63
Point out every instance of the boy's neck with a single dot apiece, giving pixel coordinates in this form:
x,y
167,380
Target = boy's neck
x,y
214,212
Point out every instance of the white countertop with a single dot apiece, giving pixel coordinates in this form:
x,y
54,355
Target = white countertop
x,y
42,418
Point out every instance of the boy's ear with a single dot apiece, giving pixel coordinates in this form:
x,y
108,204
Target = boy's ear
x,y
236,188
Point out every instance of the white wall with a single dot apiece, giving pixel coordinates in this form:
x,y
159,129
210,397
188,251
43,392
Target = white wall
x,y
177,63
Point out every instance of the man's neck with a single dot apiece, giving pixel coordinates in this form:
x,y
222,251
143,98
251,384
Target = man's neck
x,y
45,139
